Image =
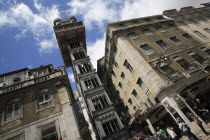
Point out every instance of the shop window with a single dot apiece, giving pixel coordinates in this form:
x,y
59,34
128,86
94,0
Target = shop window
x,y
44,98
142,85
176,41
199,34
147,32
188,37
133,36
48,132
13,108
110,126
147,50
163,45
91,83
128,66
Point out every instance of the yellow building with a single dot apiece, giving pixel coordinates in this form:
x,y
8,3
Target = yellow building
x,y
157,70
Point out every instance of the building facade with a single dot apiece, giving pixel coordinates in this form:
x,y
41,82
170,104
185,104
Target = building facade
x,y
158,70
37,104
99,112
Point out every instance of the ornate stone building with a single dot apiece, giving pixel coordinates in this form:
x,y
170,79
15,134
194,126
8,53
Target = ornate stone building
x,y
36,104
98,109
158,70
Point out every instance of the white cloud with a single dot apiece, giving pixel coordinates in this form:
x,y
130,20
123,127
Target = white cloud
x,y
96,50
71,77
95,14
30,66
40,23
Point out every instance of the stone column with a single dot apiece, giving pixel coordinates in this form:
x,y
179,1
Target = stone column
x,y
152,129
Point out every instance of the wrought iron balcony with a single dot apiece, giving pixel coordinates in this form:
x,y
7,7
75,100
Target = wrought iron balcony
x,y
192,69
174,76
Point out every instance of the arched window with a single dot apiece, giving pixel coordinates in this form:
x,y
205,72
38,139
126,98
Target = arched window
x,y
43,98
13,108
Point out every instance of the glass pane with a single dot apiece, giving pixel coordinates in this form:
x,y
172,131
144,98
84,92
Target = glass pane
x,y
41,98
17,109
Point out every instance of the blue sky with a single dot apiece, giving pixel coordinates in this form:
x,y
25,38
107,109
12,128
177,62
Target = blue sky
x,y
26,27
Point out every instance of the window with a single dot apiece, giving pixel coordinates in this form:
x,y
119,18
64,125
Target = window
x,y
122,25
74,45
16,79
136,95
207,30
42,72
135,22
133,36
176,41
147,32
91,83
161,29
125,78
147,19
206,50
128,66
116,64
44,98
142,85
199,34
184,64
99,101
173,26
48,132
147,50
188,37
196,57
79,55
15,138
202,19
193,21
121,86
110,126
184,24
13,108
113,73
84,67
132,103
162,45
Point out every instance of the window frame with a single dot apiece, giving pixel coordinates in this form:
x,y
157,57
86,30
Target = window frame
x,y
143,50
137,82
19,102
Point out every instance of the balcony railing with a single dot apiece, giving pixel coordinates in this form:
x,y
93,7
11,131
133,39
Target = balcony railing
x,y
174,76
68,26
192,69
